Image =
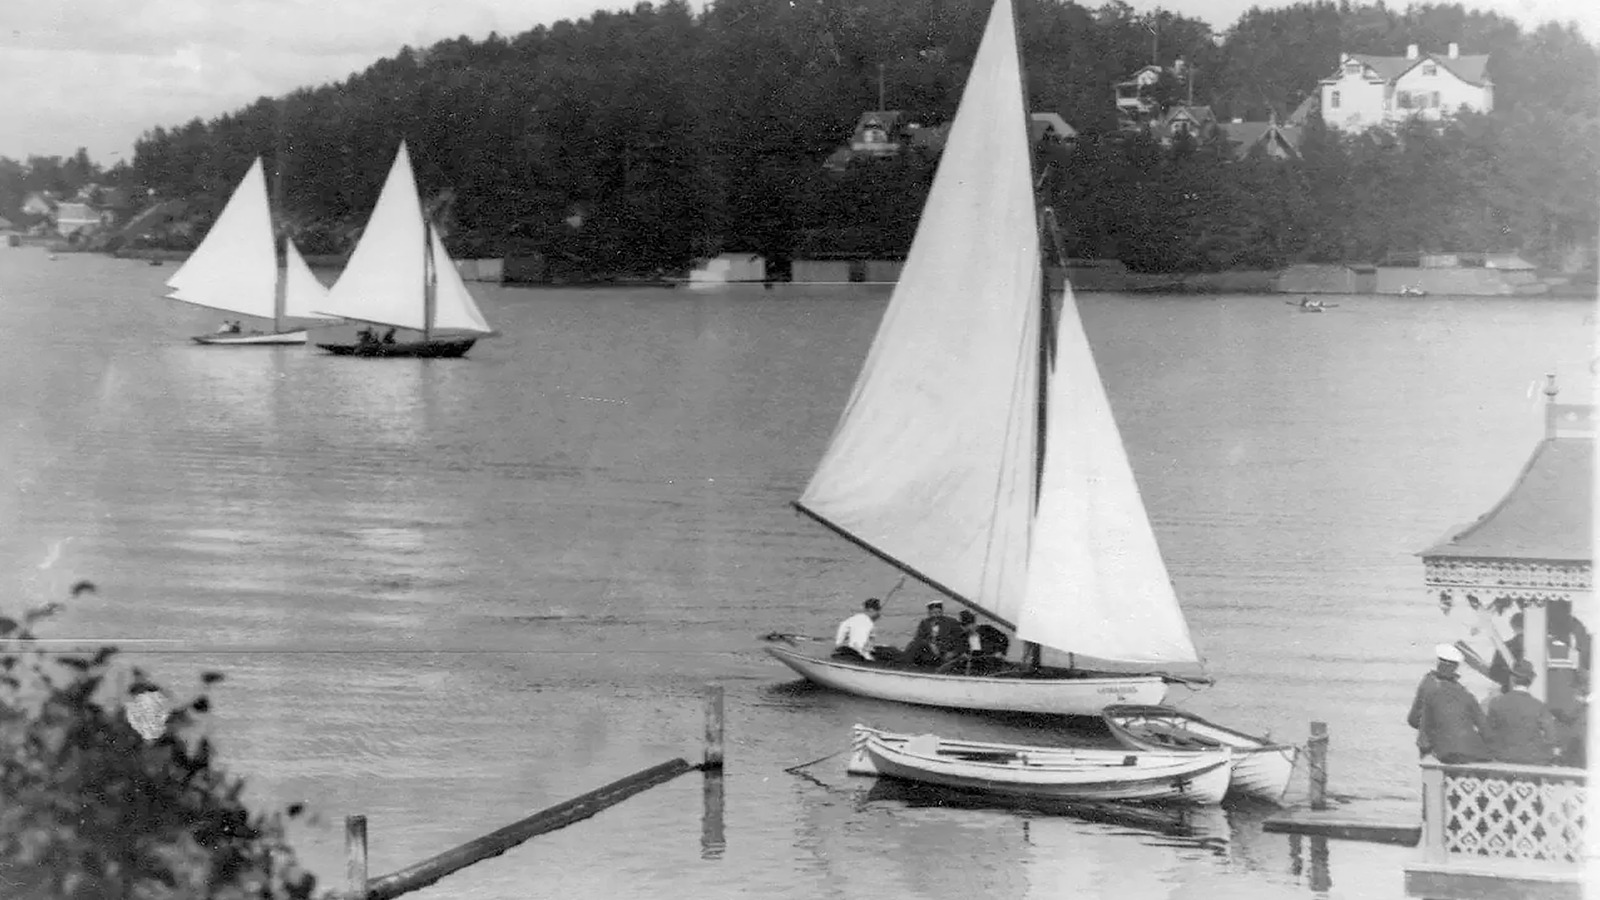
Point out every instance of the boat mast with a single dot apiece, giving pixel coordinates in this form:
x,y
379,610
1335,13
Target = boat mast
x,y
281,293
1030,650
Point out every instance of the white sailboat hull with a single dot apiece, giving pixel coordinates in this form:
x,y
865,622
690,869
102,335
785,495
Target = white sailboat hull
x,y
1045,773
1262,769
253,339
1087,696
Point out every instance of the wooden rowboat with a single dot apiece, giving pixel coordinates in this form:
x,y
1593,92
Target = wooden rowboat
x,y
1045,773
1261,767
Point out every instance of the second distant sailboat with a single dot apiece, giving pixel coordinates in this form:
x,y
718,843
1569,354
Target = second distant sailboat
x,y
400,276
235,269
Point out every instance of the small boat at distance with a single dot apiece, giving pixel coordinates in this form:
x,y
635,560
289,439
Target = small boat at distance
x,y
1413,290
400,277
1261,768
1045,773
235,269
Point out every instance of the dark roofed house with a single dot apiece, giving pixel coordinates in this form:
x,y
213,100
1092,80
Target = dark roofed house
x,y
1269,138
1198,122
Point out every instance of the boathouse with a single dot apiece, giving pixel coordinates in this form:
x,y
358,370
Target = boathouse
x,y
1494,830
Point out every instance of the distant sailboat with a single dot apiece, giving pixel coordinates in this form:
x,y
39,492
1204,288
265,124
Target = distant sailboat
x,y
978,451
235,269
400,276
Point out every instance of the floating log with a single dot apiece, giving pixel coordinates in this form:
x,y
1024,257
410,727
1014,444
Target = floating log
x,y
490,845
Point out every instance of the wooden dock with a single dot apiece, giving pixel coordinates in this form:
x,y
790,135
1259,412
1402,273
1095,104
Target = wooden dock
x,y
1345,826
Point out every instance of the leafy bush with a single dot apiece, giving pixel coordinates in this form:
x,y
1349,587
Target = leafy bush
x,y
89,808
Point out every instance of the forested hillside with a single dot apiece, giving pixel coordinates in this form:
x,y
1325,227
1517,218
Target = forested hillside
x,y
636,141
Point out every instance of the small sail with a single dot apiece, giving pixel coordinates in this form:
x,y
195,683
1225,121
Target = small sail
x,y
453,306
302,292
235,268
932,464
383,282
1096,582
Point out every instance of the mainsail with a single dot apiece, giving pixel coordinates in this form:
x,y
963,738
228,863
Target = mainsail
x,y
388,279
235,268
938,463
932,462
384,279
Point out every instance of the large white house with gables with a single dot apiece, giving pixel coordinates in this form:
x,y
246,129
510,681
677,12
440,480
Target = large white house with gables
x,y
1386,90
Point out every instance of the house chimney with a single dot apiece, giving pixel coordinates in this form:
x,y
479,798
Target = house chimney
x,y
1455,50
1411,51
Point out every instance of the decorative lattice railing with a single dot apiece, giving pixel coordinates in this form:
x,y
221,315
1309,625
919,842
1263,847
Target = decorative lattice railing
x,y
1503,811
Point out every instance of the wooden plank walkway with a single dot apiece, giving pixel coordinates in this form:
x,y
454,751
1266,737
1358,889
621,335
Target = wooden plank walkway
x,y
1344,826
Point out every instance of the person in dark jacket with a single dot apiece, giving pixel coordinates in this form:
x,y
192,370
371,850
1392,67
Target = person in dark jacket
x,y
1517,726
939,638
1447,717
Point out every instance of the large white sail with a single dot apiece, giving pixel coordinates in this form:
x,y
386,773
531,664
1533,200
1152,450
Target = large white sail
x,y
1097,584
933,461
383,281
302,292
453,306
235,268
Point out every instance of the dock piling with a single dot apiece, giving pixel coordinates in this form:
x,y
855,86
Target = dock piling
x,y
713,759
1317,764
355,849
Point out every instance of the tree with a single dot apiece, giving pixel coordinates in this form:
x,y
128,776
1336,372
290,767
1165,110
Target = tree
x,y
91,809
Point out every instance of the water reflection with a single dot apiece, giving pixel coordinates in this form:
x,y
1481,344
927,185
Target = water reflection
x,y
713,840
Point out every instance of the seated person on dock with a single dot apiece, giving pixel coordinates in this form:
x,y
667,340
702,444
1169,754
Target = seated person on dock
x,y
939,638
1448,719
853,642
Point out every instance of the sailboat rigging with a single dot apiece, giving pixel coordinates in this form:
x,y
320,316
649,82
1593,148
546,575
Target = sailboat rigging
x,y
400,276
978,452
235,269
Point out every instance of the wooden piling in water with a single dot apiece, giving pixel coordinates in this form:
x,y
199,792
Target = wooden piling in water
x,y
355,850
490,845
714,721
1317,764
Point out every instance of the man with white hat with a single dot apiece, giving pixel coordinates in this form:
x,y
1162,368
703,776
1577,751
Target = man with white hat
x,y
1447,717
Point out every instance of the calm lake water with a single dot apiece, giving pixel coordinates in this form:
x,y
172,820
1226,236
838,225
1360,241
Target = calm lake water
x,y
450,593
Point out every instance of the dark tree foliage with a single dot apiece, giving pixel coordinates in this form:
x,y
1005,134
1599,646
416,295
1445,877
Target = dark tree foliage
x,y
90,809
637,141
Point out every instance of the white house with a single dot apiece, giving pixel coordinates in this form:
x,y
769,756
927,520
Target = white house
x,y
1385,90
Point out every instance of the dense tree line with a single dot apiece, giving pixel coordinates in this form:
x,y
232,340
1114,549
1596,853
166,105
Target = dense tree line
x,y
636,141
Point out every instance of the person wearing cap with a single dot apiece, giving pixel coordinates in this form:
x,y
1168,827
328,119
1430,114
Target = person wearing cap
x,y
1447,717
853,641
1518,727
939,638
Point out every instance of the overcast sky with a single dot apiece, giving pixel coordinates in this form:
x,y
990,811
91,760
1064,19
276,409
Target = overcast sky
x,y
98,73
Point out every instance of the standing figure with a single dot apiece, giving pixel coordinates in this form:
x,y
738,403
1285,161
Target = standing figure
x,y
1517,726
1448,719
1500,667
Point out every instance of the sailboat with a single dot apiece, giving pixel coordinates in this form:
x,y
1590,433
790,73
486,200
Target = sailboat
x,y
400,276
978,452
235,269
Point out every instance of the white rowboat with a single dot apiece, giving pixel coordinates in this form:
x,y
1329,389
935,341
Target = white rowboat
x,y
1261,768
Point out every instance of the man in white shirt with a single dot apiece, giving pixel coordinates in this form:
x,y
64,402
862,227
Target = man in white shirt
x,y
854,638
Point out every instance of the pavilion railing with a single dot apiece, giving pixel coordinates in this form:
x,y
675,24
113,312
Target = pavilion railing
x,y
1502,811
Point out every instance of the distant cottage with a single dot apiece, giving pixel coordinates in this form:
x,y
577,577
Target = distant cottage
x,y
1368,90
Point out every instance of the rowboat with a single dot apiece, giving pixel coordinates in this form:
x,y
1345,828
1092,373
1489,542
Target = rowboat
x,y
997,477
1261,767
1047,773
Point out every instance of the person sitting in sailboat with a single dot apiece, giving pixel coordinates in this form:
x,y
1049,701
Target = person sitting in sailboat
x,y
938,640
853,641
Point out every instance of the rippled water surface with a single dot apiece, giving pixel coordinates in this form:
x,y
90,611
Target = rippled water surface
x,y
450,593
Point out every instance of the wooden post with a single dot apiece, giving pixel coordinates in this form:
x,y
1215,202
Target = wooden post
x,y
355,850
1317,764
1433,812
713,841
713,761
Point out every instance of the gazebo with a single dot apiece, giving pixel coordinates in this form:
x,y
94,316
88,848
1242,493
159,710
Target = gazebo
x,y
1495,830
1533,553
